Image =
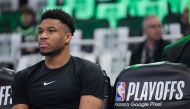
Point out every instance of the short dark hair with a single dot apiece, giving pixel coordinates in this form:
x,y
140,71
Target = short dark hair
x,y
61,15
27,10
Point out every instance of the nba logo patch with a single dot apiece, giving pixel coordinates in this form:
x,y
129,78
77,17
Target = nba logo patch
x,y
120,91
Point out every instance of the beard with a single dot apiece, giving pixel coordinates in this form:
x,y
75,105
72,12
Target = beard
x,y
52,53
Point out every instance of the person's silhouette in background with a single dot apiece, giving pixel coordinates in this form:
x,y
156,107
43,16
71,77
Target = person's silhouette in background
x,y
151,49
179,51
27,29
185,24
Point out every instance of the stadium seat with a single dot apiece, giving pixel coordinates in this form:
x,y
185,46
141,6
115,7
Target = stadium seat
x,y
28,60
113,63
10,48
84,9
105,61
111,12
9,5
75,47
171,18
110,43
133,23
6,21
161,85
108,39
177,6
87,27
66,5
174,28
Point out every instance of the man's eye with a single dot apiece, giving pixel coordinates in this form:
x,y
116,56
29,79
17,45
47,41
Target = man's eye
x,y
39,31
51,30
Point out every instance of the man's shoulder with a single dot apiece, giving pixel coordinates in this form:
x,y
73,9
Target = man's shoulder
x,y
30,69
84,64
178,44
82,61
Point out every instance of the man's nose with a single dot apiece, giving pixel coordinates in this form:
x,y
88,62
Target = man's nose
x,y
43,35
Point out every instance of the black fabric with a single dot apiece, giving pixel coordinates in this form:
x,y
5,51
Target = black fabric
x,y
162,85
107,91
43,88
6,77
178,51
157,56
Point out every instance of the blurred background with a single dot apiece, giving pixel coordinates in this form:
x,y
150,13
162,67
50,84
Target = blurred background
x,y
107,31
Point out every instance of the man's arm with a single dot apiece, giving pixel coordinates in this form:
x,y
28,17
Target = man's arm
x,y
20,106
90,102
19,94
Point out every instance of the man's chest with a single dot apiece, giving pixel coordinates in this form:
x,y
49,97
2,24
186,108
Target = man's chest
x,y
53,87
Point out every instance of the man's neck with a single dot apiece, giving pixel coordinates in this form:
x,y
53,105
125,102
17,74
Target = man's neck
x,y
150,44
57,61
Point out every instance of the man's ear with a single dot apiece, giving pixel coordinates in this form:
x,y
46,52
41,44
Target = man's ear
x,y
68,37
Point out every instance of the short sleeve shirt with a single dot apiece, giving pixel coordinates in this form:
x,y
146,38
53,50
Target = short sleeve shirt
x,y
42,88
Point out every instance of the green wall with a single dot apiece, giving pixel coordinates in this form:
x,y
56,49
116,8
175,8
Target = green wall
x,y
88,9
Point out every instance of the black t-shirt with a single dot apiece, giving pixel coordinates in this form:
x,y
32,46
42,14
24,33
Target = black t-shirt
x,y
185,56
42,88
178,51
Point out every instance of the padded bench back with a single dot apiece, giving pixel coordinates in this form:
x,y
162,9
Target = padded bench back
x,y
161,85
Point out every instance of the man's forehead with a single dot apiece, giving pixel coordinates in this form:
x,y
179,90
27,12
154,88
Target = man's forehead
x,y
51,23
152,21
48,27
